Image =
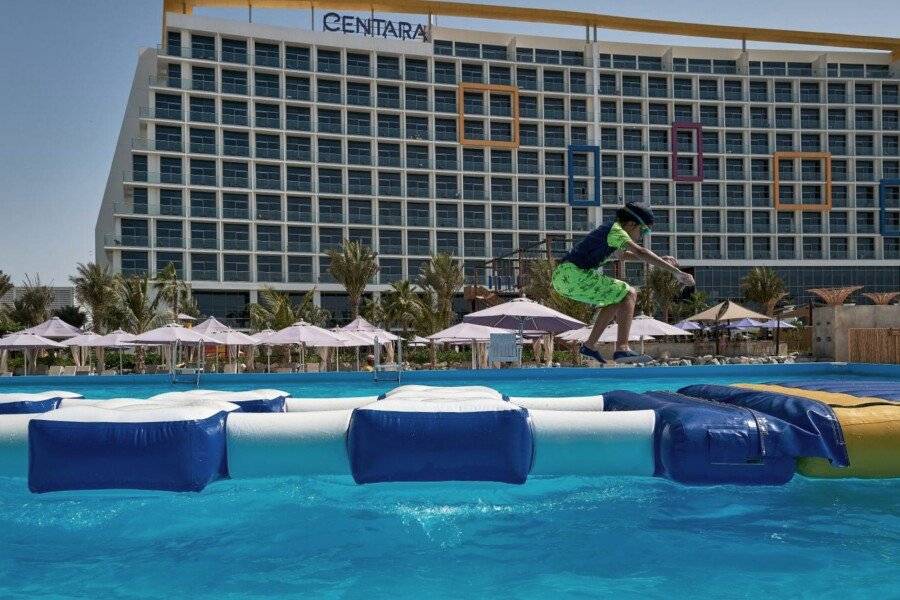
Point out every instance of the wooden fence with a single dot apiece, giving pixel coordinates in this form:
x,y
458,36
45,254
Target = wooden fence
x,y
874,345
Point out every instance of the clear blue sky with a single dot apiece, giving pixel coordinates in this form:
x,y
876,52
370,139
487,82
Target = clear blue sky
x,y
67,67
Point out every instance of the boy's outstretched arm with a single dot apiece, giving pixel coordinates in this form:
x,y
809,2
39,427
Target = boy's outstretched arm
x,y
651,258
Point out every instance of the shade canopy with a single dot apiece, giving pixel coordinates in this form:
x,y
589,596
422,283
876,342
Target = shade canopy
x,y
775,324
464,333
54,328
171,334
688,326
184,317
360,325
82,341
744,324
581,335
306,334
351,339
727,311
24,340
522,313
231,337
263,336
418,340
211,325
644,325
115,339
223,334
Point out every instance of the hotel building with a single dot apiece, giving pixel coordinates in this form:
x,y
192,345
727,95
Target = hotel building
x,y
247,151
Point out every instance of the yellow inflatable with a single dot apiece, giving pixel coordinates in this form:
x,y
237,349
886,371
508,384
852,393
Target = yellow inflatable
x,y
871,429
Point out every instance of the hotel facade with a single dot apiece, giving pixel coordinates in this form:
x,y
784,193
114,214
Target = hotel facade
x,y
247,151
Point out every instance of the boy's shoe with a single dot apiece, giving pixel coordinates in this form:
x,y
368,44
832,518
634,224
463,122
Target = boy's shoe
x,y
590,353
630,357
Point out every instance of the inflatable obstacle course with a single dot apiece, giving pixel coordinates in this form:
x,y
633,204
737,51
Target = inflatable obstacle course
x,y
744,434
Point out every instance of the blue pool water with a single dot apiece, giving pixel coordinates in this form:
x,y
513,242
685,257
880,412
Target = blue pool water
x,y
566,537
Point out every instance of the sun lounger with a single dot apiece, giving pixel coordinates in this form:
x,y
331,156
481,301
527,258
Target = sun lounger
x,y
55,370
109,372
68,370
83,370
312,367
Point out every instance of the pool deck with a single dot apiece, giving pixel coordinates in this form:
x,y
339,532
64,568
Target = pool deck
x,y
481,375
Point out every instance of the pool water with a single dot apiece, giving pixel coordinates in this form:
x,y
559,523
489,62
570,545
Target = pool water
x,y
562,537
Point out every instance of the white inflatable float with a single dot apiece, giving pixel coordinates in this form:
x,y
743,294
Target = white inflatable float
x,y
184,440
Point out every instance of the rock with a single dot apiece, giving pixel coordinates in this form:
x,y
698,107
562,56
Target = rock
x,y
789,360
714,361
685,362
744,360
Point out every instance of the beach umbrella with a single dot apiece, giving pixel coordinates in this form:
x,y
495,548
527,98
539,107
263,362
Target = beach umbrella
x,y
26,341
726,311
775,324
523,314
118,339
465,333
173,333
360,325
263,338
172,336
581,335
211,325
688,326
744,324
81,341
418,340
55,329
305,334
643,328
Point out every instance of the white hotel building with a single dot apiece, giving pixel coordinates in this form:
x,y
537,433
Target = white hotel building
x,y
247,150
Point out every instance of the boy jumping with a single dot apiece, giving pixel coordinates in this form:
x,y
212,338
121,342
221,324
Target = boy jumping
x,y
577,276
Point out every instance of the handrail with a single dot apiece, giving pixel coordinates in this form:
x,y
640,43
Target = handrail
x,y
561,17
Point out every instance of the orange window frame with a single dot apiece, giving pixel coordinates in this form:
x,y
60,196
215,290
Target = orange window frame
x,y
777,157
513,92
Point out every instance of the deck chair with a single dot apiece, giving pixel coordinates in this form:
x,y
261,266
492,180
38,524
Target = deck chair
x,y
55,370
231,368
503,348
83,370
69,370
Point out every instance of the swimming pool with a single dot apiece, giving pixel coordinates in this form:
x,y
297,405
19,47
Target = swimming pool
x,y
565,536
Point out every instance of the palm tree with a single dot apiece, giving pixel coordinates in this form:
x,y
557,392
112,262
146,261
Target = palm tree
x,y
373,311
401,304
696,302
6,285
664,289
71,315
174,292
443,275
353,266
763,286
95,287
140,310
32,307
276,311
645,302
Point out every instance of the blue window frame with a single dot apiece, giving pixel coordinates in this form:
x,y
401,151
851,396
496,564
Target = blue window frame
x,y
888,190
570,162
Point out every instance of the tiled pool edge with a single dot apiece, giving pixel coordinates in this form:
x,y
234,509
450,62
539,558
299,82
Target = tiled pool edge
x,y
483,375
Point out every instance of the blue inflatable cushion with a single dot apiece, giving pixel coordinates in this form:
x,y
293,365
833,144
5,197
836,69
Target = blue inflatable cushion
x,y
703,443
404,440
179,448
815,430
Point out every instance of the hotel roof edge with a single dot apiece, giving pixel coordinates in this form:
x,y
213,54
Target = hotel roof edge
x,y
561,17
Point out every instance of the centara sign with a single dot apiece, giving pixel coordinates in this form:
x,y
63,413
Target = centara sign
x,y
400,30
